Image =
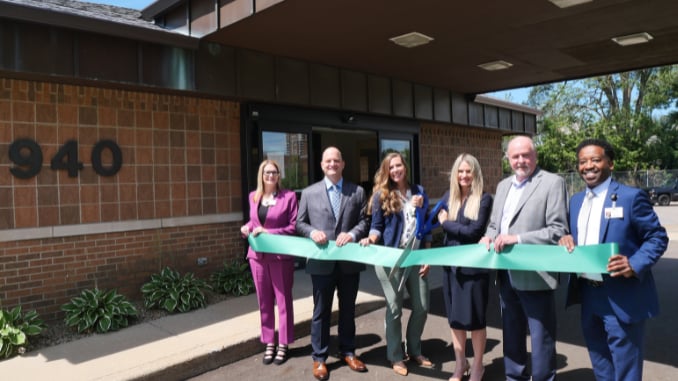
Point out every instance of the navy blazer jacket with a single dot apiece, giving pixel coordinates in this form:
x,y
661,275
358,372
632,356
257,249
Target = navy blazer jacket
x,y
641,238
390,228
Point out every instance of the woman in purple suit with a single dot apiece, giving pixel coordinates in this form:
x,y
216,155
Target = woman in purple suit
x,y
274,211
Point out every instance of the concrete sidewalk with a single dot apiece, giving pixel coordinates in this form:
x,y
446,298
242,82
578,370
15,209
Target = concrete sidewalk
x,y
174,347
181,346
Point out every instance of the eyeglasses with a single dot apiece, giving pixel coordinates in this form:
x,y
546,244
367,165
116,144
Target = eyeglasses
x,y
271,173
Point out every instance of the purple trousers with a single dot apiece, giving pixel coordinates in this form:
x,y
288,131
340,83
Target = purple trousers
x,y
273,279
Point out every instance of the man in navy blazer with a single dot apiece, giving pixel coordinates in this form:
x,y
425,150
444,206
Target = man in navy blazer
x,y
614,305
317,220
530,208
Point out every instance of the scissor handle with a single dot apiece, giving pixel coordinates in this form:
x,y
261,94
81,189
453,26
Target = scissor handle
x,y
423,228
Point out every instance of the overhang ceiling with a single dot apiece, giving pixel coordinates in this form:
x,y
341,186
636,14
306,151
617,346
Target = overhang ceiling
x,y
543,42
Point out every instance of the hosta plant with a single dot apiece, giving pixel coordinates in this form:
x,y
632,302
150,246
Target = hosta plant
x,y
15,329
98,311
234,278
172,292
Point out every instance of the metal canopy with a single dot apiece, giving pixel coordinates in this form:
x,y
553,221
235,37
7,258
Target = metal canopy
x,y
543,42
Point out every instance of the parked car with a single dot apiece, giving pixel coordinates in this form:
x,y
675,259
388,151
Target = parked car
x,y
665,194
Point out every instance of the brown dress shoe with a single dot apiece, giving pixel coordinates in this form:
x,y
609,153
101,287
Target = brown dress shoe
x,y
320,371
355,364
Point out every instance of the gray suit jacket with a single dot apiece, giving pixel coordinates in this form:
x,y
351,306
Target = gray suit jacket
x,y
315,213
540,218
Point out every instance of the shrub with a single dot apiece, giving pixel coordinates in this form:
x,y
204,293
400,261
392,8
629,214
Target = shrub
x,y
15,329
96,310
172,292
233,279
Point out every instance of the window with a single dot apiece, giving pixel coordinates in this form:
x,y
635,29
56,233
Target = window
x,y
290,151
403,146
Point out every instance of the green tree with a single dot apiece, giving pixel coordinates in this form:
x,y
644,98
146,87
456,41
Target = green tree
x,y
667,137
616,107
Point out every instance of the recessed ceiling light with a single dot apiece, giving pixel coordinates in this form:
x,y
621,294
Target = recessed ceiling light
x,y
412,39
495,65
633,39
568,3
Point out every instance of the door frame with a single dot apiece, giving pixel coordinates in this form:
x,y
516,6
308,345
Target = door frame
x,y
257,117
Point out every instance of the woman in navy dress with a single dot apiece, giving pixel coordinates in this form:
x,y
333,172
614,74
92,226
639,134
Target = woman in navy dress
x,y
466,289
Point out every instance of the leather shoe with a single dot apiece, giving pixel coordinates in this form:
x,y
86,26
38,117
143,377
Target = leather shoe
x,y
320,371
355,364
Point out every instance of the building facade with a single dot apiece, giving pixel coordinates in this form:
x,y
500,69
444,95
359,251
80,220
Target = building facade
x,y
126,148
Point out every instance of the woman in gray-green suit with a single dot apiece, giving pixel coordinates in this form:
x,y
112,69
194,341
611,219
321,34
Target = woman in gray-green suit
x,y
395,204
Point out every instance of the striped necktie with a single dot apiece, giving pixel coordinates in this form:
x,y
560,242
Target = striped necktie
x,y
335,199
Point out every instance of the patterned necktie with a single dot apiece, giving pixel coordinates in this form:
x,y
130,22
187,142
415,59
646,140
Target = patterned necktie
x,y
585,217
335,199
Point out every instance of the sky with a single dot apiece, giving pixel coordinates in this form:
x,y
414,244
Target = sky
x,y
133,4
516,95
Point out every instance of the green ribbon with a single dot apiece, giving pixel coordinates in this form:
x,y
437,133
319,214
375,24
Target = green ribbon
x,y
590,259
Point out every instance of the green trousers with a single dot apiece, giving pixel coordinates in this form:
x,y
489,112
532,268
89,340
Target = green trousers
x,y
418,290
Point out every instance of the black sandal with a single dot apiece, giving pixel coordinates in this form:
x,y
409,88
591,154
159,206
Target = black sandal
x,y
281,356
268,355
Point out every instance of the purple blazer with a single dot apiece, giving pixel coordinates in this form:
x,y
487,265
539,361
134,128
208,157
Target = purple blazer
x,y
280,219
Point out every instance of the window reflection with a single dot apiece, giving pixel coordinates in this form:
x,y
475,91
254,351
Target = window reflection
x,y
404,147
290,150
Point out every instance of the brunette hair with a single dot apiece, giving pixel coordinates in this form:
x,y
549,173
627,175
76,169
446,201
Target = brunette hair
x,y
388,197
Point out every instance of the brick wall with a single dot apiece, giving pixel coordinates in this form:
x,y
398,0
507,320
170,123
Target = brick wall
x,y
440,146
181,160
44,274
181,155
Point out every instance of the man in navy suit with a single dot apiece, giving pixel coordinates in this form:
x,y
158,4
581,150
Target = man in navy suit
x,y
614,305
319,220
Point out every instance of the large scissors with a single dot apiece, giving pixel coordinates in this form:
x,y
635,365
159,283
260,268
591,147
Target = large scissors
x,y
424,227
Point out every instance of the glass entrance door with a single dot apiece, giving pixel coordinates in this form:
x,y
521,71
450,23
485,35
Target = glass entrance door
x,y
296,138
402,144
290,151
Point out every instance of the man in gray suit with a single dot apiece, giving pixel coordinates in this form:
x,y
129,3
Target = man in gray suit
x,y
530,207
342,222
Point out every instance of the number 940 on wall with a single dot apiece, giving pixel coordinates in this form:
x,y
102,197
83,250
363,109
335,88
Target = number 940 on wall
x,y
26,154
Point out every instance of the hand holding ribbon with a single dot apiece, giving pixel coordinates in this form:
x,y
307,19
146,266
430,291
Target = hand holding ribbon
x,y
590,258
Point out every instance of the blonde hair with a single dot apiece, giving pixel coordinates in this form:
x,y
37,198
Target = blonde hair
x,y
260,179
388,198
476,193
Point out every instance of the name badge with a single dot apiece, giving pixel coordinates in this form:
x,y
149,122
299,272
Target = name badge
x,y
614,212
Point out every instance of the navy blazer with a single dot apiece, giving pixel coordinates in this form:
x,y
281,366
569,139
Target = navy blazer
x,y
464,231
390,228
641,238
